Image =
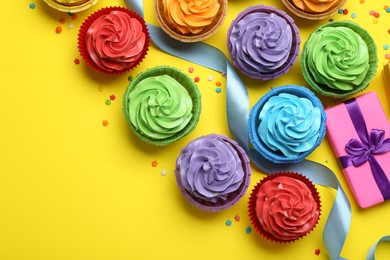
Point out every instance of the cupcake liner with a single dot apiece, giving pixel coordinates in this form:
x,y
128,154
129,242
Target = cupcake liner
x,y
71,6
258,144
89,21
190,37
187,83
312,16
233,197
253,197
295,48
373,62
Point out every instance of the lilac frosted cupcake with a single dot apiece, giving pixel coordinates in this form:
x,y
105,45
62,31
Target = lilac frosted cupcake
x,y
263,42
213,172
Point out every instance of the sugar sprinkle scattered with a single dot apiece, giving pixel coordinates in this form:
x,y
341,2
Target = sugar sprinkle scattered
x,y
248,230
228,223
154,163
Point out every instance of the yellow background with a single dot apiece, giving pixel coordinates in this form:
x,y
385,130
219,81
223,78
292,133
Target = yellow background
x,y
71,188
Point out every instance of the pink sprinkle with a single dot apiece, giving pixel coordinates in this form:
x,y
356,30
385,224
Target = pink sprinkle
x,y
190,69
387,56
237,218
372,12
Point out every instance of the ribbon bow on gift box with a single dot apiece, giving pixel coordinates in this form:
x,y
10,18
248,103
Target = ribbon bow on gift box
x,y
365,150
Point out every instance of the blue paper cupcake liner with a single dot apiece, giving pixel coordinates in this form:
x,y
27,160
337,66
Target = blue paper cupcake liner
x,y
254,122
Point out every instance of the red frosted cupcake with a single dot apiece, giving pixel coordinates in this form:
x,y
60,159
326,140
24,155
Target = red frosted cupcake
x,y
113,40
284,207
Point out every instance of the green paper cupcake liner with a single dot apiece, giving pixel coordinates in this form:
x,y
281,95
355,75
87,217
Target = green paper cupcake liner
x,y
373,62
187,83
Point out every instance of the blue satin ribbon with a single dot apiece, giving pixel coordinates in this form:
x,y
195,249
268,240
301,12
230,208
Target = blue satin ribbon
x,y
364,150
371,252
237,105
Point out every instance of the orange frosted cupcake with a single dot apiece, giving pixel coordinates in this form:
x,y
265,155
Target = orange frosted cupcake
x,y
313,9
113,40
190,20
284,207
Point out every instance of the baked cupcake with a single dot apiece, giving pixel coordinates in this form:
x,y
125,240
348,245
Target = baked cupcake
x,y
313,9
113,40
213,172
263,42
287,124
339,59
72,6
161,105
190,20
284,207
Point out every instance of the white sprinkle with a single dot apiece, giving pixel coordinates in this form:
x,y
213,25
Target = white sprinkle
x,y
163,172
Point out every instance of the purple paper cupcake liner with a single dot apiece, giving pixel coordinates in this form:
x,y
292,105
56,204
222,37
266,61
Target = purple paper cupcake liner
x,y
232,197
294,51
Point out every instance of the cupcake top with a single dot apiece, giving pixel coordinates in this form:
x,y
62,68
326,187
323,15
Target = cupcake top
x,y
285,207
337,60
315,6
70,5
262,42
190,20
161,105
113,40
213,171
287,124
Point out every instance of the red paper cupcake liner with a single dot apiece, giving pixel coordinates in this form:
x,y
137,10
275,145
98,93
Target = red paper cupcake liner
x,y
253,197
88,22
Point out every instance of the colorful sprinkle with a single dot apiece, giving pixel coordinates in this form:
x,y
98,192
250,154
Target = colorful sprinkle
x,y
330,20
326,161
190,69
388,10
218,90
210,78
388,31
340,11
248,230
154,164
130,78
76,61
197,79
385,7
386,47
228,223
353,15
112,97
372,12
105,122
163,172
237,218
376,15
218,83
32,6
387,56
58,29
317,251
62,20
70,26
362,1
345,11
108,102
74,16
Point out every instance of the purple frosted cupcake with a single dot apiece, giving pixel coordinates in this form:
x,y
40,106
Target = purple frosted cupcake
x,y
263,42
213,172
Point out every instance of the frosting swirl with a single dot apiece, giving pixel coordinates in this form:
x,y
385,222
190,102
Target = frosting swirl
x,y
289,124
260,43
115,41
315,6
190,16
159,107
210,168
337,57
285,208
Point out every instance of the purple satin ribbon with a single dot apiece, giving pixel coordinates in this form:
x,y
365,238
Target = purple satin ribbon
x,y
365,149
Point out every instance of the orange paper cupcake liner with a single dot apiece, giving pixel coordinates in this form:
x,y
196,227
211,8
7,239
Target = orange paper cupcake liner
x,y
253,198
82,46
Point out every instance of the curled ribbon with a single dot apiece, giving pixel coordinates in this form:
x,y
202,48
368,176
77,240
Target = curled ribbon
x,y
365,150
237,106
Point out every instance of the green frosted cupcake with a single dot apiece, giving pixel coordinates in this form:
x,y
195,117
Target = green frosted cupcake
x,y
339,59
161,105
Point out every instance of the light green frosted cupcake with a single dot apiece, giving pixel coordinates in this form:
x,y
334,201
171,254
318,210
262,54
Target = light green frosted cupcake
x,y
161,105
339,59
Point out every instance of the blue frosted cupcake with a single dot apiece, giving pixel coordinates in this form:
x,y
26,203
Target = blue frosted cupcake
x,y
287,124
